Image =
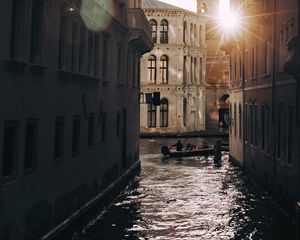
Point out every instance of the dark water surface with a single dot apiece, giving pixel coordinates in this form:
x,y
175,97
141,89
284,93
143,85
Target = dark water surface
x,y
190,198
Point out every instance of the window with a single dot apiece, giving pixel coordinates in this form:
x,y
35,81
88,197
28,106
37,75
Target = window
x,y
151,116
191,34
241,68
74,56
240,121
153,25
105,58
184,70
191,71
90,53
62,57
10,148
246,65
30,152
164,69
82,50
164,31
268,127
119,64
36,30
103,127
76,135
195,70
96,55
256,124
184,112
152,69
246,122
263,127
201,76
267,56
290,144
91,130
58,138
254,61
235,119
164,113
278,142
184,32
200,35
118,126
251,124
17,29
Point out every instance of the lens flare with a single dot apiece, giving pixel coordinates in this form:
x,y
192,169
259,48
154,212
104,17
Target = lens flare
x,y
97,14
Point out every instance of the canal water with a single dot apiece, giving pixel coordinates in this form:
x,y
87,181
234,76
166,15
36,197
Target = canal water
x,y
187,199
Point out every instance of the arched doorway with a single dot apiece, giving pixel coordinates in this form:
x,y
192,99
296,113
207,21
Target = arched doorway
x,y
224,119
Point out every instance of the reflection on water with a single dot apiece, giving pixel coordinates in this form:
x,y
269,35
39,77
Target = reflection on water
x,y
190,199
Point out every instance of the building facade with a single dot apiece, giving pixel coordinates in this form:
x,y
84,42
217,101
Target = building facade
x,y
264,96
69,108
217,73
175,69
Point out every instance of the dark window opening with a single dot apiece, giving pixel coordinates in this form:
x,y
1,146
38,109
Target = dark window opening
x,y
30,144
58,138
76,134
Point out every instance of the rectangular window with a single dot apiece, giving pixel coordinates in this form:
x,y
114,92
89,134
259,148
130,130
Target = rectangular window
x,y
151,116
263,124
240,121
17,29
36,30
30,153
91,53
251,124
118,126
105,58
278,142
246,65
91,130
82,50
246,122
62,57
74,58
290,145
235,119
10,148
103,127
254,61
268,128
58,138
96,55
255,125
119,64
76,135
267,56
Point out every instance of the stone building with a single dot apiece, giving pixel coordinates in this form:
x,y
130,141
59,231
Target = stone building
x,y
175,69
69,108
264,95
217,72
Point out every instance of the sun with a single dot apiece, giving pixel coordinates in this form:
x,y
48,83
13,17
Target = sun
x,y
229,21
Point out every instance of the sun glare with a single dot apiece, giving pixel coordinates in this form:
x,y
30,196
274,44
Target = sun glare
x,y
229,21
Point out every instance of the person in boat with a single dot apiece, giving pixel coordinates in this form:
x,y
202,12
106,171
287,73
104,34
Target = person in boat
x,y
205,145
178,146
188,147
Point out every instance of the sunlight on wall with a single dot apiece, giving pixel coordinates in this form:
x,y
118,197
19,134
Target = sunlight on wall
x,y
190,5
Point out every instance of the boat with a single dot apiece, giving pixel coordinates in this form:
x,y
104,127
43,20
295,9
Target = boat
x,y
188,153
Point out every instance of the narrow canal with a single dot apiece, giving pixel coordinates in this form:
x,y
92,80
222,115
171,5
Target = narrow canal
x,y
190,198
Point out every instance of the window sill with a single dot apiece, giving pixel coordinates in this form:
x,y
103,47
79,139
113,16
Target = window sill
x,y
9,179
36,69
74,75
266,75
15,64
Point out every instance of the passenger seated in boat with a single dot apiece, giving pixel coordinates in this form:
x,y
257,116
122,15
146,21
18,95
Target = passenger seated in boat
x,y
178,146
188,147
205,145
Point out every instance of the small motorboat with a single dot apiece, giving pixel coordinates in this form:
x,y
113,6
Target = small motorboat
x,y
210,150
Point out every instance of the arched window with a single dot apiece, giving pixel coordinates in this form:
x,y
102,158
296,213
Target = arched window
x,y
184,32
191,71
152,69
195,35
164,69
151,116
184,70
184,112
191,34
153,24
195,71
164,107
200,35
164,31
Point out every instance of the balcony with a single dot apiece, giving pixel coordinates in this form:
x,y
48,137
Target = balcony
x,y
139,30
